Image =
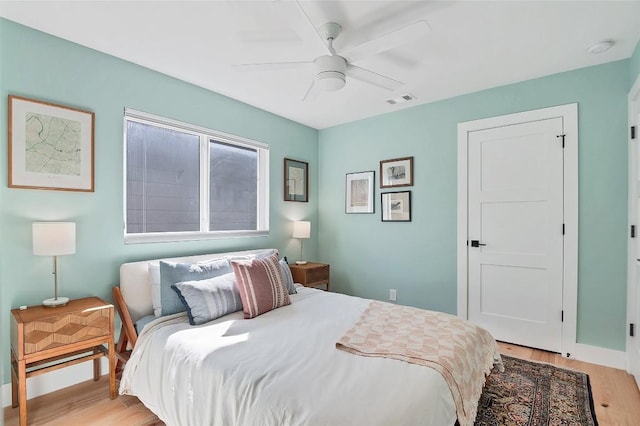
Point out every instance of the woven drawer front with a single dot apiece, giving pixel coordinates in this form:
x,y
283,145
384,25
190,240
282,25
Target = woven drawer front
x,y
65,329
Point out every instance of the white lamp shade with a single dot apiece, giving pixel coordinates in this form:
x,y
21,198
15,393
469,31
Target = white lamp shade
x,y
54,238
302,229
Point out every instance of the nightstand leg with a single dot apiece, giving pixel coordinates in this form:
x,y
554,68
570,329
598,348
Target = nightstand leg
x,y
22,392
96,367
14,382
112,369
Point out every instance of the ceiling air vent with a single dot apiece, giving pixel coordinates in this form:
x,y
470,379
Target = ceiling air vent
x,y
401,99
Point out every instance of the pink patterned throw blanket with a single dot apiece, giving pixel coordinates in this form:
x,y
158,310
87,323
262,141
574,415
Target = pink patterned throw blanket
x,y
462,352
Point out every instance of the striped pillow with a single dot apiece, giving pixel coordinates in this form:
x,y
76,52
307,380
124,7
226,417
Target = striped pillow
x,y
261,285
209,299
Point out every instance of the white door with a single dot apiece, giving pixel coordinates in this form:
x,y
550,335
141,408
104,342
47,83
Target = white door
x,y
634,293
515,232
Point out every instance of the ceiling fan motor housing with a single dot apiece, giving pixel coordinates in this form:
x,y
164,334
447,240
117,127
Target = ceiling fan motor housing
x,y
330,72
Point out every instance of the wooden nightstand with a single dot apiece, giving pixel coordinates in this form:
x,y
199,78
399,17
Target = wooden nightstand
x,y
311,274
41,336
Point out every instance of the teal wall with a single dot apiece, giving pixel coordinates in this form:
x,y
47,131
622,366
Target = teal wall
x,y
40,66
418,259
634,66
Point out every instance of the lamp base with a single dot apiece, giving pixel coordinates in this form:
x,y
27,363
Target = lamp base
x,y
301,262
55,302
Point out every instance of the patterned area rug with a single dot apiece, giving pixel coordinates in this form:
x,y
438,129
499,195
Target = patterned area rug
x,y
530,393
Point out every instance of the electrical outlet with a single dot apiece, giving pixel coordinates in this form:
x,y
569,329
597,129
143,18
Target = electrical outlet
x,y
393,295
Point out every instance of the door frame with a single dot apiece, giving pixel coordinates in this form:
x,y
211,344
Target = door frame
x,y
569,115
632,248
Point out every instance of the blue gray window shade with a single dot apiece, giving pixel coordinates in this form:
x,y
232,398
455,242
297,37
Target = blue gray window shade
x,y
163,179
233,192
186,182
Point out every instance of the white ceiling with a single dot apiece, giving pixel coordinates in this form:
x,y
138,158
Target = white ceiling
x,y
471,45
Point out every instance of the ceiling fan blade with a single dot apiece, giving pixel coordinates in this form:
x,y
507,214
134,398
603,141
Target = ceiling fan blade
x,y
302,25
312,92
388,41
371,77
270,66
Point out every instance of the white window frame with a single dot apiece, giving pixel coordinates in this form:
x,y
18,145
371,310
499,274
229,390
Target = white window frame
x,y
205,136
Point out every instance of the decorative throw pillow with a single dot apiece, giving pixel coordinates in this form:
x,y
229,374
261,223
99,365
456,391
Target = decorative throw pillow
x,y
209,299
265,253
288,278
172,273
261,285
256,255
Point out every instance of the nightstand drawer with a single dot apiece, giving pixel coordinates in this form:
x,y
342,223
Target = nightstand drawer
x,y
38,330
49,333
318,274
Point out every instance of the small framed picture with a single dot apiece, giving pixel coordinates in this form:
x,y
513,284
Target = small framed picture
x,y
396,172
359,192
296,180
50,146
396,206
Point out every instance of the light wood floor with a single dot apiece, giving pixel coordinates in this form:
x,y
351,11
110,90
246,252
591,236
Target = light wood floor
x,y
616,398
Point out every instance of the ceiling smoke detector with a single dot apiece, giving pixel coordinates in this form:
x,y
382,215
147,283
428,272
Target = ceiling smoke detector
x,y
601,46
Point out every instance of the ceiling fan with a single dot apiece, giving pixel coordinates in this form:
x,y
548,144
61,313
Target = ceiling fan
x,y
331,70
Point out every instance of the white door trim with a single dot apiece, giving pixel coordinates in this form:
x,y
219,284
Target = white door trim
x,y
632,248
569,114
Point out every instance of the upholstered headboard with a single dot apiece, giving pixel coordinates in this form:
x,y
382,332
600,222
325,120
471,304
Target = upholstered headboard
x,y
135,283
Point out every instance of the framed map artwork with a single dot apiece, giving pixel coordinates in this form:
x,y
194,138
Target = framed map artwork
x,y
50,146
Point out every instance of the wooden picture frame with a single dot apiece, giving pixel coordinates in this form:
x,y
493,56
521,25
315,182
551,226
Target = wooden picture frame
x,y
296,180
50,146
396,206
359,189
396,172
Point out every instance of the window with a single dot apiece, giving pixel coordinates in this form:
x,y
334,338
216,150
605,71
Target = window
x,y
184,182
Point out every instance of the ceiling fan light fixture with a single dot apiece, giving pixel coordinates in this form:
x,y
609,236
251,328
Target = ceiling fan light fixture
x,y
330,72
330,81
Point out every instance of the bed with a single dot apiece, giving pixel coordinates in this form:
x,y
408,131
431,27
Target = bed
x,y
281,367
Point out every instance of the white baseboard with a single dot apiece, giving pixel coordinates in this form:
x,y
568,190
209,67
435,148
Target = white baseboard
x,y
600,356
56,380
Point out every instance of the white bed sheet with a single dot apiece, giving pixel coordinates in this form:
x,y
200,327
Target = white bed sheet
x,y
281,368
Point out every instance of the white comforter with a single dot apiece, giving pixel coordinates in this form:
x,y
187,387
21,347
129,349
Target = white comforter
x,y
281,368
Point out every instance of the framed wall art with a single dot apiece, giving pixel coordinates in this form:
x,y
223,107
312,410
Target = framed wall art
x,y
396,172
396,206
359,189
296,180
50,146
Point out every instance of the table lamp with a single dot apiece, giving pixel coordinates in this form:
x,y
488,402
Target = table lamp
x,y
301,230
54,239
